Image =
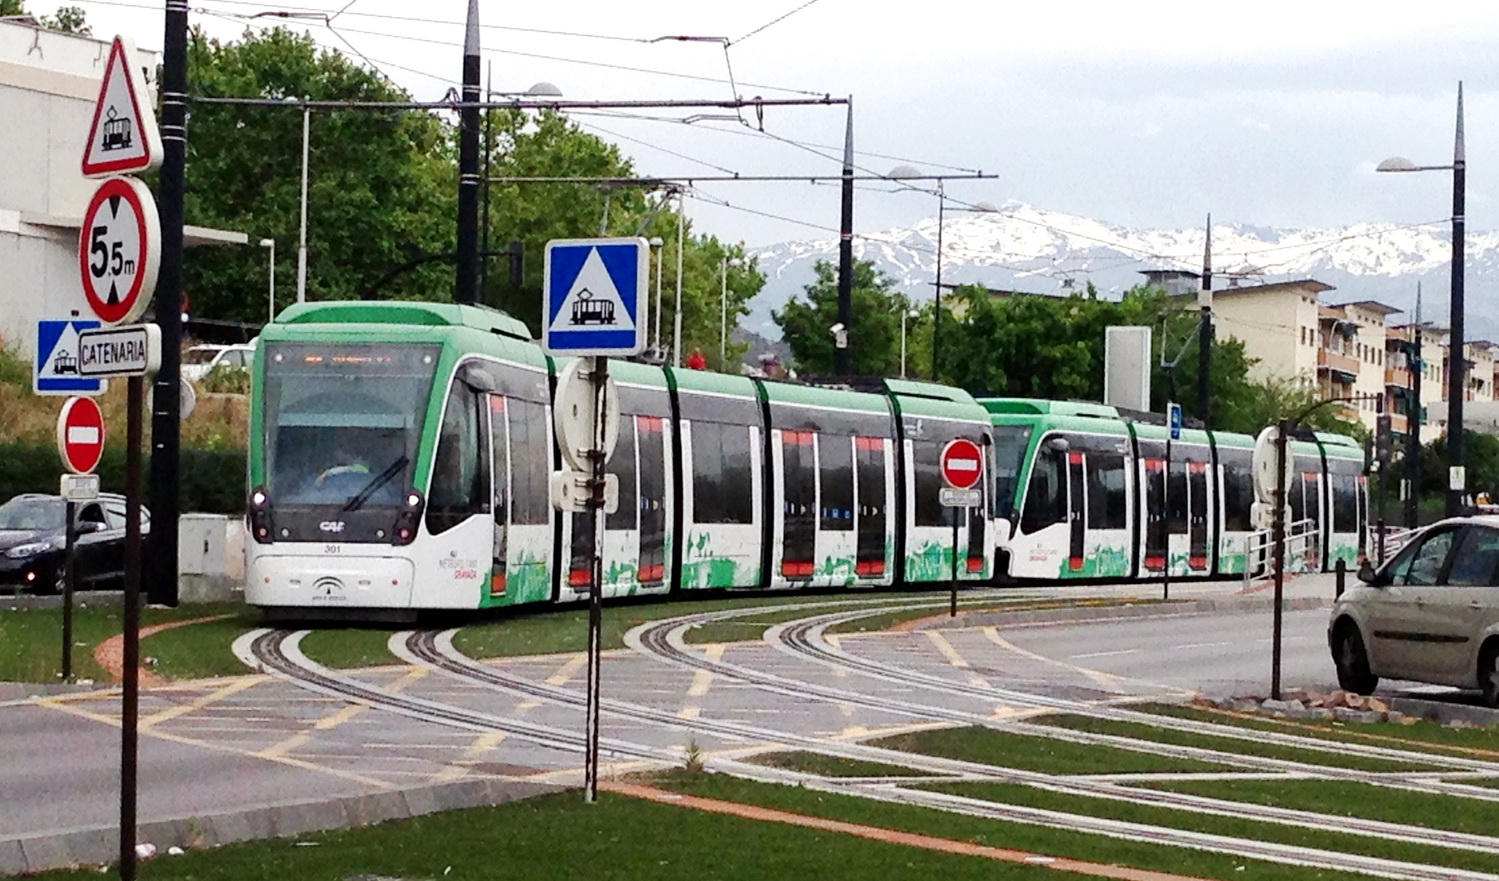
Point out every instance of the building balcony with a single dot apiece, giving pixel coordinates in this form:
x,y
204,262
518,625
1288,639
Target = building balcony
x,y
1399,377
1399,424
1337,363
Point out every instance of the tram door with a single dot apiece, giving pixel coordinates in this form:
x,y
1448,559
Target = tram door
x,y
499,443
1197,515
799,503
869,465
1155,515
1076,527
652,442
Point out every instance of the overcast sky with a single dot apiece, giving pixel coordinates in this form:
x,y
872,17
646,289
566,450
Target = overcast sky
x,y
1150,113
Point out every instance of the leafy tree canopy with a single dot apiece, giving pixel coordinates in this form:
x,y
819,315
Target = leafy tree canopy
x,y
874,339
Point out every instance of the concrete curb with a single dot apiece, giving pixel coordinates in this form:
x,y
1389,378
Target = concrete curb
x,y
997,618
101,845
21,601
1444,712
15,691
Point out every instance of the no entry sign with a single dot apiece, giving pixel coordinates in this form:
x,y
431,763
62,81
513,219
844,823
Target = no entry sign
x,y
962,463
80,435
119,250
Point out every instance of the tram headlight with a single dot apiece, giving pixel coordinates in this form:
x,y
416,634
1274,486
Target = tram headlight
x,y
260,515
409,518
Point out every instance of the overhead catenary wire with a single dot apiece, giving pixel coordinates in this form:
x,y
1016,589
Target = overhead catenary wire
x,y
775,21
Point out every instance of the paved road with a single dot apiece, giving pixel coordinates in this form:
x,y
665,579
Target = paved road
x,y
237,743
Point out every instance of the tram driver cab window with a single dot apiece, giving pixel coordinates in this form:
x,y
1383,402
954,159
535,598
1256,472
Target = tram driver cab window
x,y
460,484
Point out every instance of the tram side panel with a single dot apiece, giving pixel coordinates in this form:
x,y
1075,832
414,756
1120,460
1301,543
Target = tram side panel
x,y
1345,502
1236,484
1076,520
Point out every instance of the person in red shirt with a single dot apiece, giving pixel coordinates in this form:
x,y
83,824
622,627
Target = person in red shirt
x,y
696,361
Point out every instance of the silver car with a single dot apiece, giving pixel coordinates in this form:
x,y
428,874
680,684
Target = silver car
x,y
1431,614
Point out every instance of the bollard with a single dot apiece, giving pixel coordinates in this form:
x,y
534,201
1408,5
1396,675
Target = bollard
x,y
1340,572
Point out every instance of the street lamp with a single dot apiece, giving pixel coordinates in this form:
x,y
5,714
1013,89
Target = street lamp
x,y
723,313
271,279
658,245
1457,356
905,313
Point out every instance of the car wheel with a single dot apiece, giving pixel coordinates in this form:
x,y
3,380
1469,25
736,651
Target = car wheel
x,y
1353,663
1488,675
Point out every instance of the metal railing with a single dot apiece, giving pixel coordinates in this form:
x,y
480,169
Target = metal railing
x,y
1302,550
1395,538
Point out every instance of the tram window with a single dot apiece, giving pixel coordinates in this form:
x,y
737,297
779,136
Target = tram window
x,y
1238,490
721,490
1298,501
1344,502
499,445
836,461
928,473
531,467
1176,499
460,487
1107,500
1045,502
622,465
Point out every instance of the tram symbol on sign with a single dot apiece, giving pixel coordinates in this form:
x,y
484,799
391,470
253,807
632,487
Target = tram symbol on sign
x,y
117,132
65,364
587,310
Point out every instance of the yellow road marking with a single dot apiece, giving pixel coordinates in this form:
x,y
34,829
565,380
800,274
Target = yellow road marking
x,y
526,706
566,671
702,679
853,731
689,712
950,652
337,717
212,697
1107,680
481,745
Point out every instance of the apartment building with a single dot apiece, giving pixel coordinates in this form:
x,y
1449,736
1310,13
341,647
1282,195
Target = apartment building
x,y
1350,349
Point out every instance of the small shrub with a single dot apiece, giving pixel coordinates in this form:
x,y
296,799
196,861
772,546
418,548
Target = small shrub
x,y
694,761
225,379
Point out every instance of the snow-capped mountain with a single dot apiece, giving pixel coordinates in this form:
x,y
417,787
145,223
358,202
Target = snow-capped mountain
x,y
1023,248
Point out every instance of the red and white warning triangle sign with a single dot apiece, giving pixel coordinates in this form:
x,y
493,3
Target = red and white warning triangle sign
x,y
123,137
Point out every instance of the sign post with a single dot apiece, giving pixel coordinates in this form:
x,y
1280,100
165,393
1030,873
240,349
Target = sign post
x,y
80,442
594,289
962,464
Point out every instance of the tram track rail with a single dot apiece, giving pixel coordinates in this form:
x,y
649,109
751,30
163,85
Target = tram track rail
x,y
277,652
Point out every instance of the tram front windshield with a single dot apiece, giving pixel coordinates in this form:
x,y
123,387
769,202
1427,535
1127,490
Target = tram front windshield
x,y
343,421
1009,449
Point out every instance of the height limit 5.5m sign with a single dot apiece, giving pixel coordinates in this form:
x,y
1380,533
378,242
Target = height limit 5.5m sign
x,y
119,250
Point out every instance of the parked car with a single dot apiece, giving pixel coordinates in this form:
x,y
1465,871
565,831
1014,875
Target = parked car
x,y
1431,614
32,541
200,360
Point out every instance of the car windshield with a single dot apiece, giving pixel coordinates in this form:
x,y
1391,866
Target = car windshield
x,y
198,356
32,513
342,421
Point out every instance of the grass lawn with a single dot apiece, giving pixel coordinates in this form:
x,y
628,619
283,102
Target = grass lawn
x,y
831,766
1354,800
1422,735
1143,731
1035,753
1345,802
31,642
994,833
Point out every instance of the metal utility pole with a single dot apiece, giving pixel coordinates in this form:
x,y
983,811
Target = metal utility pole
x,y
842,356
302,229
1281,441
467,276
166,414
676,318
1456,351
937,299
1205,334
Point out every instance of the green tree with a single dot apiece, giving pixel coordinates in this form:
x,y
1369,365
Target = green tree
x,y
1481,452
69,19
874,339
381,186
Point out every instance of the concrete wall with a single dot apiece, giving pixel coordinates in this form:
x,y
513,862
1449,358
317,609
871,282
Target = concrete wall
x,y
1276,326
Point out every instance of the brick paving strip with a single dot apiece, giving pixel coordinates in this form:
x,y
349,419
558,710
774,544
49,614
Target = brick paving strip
x,y
890,836
110,654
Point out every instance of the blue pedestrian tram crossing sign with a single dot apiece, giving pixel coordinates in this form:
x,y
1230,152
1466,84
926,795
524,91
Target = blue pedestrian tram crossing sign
x,y
1174,420
595,296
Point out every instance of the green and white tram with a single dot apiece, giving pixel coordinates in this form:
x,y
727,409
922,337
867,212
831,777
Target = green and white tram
x,y
1089,493
400,458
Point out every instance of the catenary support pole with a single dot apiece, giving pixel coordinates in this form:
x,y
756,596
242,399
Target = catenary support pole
x,y
1205,335
166,421
660,253
302,225
466,288
843,355
130,705
1457,350
1413,419
937,310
